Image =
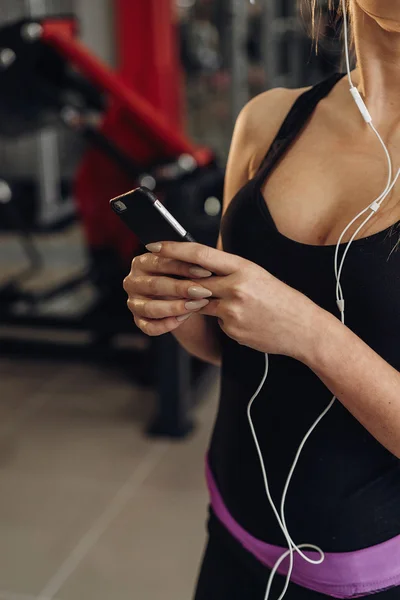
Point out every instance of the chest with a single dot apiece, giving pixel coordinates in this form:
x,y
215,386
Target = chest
x,y
323,181
370,278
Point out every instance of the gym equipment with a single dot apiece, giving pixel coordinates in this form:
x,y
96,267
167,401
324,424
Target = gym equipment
x,y
286,50
48,77
36,163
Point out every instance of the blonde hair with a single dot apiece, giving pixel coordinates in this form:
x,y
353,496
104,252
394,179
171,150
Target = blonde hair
x,y
312,10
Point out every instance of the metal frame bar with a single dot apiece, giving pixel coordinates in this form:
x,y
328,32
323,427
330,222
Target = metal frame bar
x,y
51,207
276,25
240,63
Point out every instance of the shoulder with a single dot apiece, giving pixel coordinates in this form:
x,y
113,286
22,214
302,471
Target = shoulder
x,y
256,126
260,120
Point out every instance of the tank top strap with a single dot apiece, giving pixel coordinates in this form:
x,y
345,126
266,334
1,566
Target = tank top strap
x,y
294,122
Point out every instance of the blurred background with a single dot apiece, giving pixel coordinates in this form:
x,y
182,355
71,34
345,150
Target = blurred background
x,y
103,431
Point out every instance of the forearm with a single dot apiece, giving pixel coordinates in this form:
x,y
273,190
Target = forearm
x,y
199,335
361,379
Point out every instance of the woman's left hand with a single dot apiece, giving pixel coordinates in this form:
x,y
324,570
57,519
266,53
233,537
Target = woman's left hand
x,y
252,306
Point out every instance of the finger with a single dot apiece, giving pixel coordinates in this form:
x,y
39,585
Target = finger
x,y
154,264
162,309
212,309
220,287
160,286
158,326
216,261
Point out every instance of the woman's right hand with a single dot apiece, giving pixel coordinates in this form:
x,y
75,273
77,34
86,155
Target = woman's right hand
x,y
159,302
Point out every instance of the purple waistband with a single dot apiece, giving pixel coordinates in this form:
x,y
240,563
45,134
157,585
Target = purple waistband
x,y
341,575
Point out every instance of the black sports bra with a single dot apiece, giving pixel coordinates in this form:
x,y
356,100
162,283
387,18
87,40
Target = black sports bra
x,y
345,493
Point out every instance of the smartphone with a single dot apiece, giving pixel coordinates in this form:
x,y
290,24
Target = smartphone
x,y
147,218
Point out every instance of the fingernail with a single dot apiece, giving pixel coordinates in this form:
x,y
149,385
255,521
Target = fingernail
x,y
199,292
156,247
196,304
199,272
183,317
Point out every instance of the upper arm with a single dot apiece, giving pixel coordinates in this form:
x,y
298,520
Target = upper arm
x,y
255,129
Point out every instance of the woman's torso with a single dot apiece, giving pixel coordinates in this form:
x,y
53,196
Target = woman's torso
x,y
345,493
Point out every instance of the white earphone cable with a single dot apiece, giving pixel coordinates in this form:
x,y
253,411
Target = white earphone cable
x,y
373,207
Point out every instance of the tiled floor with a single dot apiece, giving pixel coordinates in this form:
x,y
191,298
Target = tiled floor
x,y
91,509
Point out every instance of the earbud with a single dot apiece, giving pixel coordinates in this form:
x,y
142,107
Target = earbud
x,y
361,104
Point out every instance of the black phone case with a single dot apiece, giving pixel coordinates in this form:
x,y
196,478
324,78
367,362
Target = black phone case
x,y
138,211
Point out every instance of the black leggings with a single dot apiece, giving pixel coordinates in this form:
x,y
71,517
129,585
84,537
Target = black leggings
x,y
228,572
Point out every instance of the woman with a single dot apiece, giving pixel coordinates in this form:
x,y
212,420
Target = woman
x,y
272,290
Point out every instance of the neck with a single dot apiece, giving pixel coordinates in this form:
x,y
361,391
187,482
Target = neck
x,y
378,66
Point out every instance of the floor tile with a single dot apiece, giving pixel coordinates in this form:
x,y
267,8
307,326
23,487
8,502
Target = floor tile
x,y
91,437
151,551
5,595
16,396
41,520
182,467
28,369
